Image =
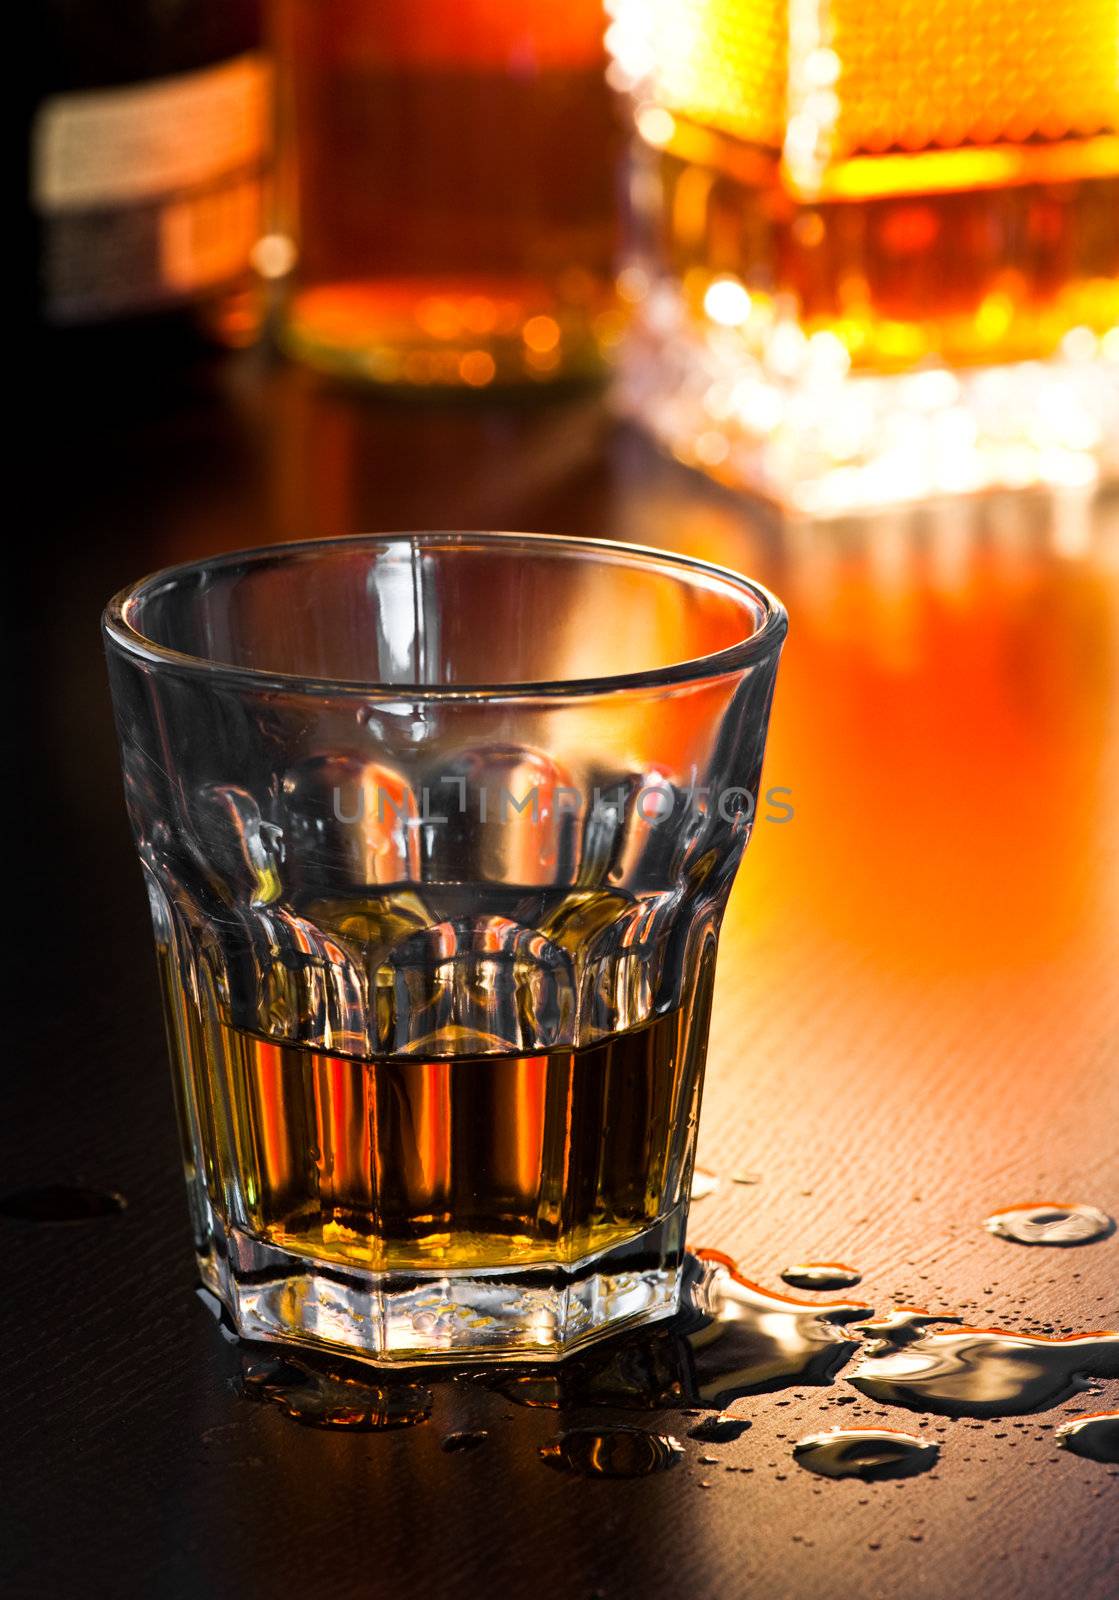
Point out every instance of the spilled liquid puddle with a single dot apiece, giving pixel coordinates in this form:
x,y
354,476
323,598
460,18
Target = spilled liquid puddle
x,y
1052,1223
899,1327
61,1202
1095,1437
730,1338
333,1395
983,1372
867,1453
734,1338
821,1275
612,1452
750,1339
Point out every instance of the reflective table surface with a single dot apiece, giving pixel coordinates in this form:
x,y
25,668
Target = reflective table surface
x,y
916,1025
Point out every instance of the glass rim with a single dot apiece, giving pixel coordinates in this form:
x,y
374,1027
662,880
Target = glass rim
x,y
762,642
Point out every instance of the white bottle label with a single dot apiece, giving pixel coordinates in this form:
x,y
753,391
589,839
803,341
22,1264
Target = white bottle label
x,y
149,193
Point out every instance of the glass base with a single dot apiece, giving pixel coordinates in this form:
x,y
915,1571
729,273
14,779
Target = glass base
x,y
790,420
541,1313
451,333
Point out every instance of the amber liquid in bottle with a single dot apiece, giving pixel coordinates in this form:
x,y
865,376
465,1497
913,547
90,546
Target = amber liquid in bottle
x,y
450,188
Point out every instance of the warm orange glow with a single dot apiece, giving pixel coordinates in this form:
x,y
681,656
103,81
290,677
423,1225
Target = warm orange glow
x,y
952,677
477,368
531,1075
343,1130
929,944
271,1127
541,334
471,33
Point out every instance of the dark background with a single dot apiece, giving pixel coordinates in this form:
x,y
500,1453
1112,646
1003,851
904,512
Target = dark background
x,y
916,1023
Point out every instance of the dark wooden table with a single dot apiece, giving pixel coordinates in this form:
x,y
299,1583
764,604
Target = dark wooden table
x,y
916,1023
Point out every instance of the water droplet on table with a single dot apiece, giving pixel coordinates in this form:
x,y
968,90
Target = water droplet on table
x,y
704,1183
333,1396
468,1439
612,1452
821,1275
984,1372
61,1202
1049,1222
1095,1437
867,1453
723,1429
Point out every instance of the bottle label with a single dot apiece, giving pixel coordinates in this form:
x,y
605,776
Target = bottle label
x,y
149,194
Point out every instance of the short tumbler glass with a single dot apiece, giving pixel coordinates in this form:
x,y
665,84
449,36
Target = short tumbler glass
x,y
438,830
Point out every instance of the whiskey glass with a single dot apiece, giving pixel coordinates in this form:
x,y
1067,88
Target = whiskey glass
x,y
878,250
438,830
